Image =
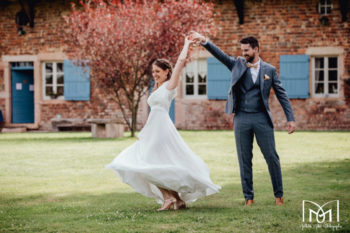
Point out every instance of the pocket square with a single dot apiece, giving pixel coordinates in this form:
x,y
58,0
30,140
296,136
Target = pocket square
x,y
266,77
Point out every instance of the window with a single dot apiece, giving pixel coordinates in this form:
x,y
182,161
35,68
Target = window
x,y
53,80
22,64
195,79
325,76
324,7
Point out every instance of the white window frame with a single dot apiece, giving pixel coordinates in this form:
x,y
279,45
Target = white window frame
x,y
326,78
54,80
325,6
195,83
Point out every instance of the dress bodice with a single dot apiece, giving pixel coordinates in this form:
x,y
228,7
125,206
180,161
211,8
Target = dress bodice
x,y
161,98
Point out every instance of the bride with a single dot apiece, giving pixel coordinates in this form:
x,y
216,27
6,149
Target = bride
x,y
160,164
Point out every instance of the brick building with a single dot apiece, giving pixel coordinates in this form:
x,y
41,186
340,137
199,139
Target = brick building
x,y
40,58
307,41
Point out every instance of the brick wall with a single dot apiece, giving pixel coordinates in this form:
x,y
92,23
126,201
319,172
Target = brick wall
x,y
2,81
201,114
2,106
99,106
47,37
2,90
282,27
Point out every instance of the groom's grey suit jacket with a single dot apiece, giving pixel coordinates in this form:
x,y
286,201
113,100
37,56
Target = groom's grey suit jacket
x,y
268,78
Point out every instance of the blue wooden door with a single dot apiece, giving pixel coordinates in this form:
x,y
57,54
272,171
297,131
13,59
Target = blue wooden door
x,y
172,106
22,89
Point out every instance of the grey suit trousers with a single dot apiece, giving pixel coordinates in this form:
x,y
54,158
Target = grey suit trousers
x,y
246,125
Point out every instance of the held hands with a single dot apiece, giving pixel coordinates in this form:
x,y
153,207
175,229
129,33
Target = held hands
x,y
291,127
196,37
180,63
188,40
186,48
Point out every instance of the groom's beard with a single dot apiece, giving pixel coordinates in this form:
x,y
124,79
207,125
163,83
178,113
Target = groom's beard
x,y
249,58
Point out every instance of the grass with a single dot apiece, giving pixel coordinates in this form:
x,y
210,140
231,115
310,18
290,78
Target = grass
x,y
56,182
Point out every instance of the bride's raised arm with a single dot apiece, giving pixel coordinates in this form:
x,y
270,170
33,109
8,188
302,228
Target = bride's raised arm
x,y
175,76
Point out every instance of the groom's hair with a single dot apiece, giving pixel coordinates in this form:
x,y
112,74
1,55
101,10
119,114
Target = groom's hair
x,y
252,41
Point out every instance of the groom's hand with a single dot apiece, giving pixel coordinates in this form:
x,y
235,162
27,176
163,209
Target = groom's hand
x,y
291,126
195,36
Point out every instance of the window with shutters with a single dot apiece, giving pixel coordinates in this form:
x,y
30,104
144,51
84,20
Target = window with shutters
x,y
53,80
325,76
195,79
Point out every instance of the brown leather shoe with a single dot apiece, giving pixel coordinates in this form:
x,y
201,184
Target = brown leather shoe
x,y
279,200
249,202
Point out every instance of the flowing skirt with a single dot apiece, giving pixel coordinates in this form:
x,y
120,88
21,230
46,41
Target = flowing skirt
x,y
161,158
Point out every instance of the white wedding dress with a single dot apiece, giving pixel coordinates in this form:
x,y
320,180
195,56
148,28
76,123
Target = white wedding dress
x,y
161,157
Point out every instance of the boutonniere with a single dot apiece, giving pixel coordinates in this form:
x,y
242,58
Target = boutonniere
x,y
266,77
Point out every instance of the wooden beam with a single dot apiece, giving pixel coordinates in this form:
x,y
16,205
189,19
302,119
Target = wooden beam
x,y
28,7
240,10
344,8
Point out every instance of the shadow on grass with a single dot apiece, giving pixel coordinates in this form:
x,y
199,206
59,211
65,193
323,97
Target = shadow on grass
x,y
313,178
56,137
319,182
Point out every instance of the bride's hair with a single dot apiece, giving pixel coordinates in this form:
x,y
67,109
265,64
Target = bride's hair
x,y
164,64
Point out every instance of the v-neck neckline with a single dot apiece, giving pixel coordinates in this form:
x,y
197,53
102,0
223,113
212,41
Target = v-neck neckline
x,y
159,87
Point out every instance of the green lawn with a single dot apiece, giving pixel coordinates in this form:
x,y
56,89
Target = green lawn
x,y
56,182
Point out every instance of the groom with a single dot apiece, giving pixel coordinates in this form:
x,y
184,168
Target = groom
x,y
248,100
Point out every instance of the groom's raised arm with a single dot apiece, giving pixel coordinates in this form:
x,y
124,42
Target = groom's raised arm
x,y
219,54
214,50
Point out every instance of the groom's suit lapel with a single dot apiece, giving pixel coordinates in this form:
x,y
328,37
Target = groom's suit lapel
x,y
261,75
242,67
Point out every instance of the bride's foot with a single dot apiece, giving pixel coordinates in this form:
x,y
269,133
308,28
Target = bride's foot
x,y
179,204
167,204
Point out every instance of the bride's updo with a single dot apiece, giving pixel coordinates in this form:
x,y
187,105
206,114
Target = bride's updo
x,y
164,64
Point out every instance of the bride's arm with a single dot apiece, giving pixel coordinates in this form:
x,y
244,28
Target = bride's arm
x,y
175,76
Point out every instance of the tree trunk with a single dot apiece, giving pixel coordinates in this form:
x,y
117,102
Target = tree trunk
x,y
134,120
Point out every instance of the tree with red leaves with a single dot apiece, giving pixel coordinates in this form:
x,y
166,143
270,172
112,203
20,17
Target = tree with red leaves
x,y
121,39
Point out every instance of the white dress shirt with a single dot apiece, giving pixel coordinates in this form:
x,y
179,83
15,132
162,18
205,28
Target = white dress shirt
x,y
255,71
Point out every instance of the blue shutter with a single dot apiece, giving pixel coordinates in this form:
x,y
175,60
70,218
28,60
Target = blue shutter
x,y
172,111
219,78
76,81
294,73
